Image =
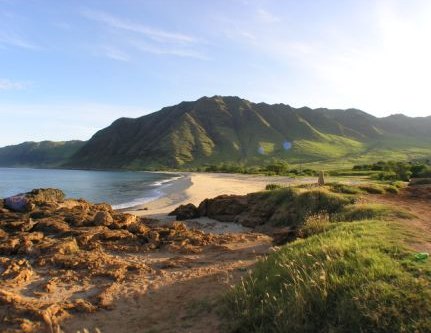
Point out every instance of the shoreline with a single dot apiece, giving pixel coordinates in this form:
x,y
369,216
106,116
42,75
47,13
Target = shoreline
x,y
194,187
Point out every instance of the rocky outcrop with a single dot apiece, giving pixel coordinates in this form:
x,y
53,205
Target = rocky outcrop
x,y
224,207
66,243
285,207
185,212
26,202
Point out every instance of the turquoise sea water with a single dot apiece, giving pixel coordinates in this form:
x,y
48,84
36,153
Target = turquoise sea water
x,y
121,189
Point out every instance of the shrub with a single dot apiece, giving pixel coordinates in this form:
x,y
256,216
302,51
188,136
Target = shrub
x,y
391,189
271,187
372,189
314,224
343,188
291,206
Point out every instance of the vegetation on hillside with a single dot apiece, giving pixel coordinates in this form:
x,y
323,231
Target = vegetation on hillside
x,y
38,154
393,170
224,132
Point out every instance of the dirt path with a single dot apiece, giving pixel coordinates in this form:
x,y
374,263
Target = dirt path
x,y
180,294
417,201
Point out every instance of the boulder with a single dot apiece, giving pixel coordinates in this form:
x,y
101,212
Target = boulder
x,y
18,203
185,212
46,195
123,221
103,218
26,202
116,235
3,234
224,208
51,226
68,246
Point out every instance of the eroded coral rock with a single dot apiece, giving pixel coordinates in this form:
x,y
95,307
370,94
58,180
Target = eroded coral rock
x,y
72,247
103,218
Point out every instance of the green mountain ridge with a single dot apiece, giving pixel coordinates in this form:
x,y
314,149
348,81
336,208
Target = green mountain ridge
x,y
48,154
224,129
213,130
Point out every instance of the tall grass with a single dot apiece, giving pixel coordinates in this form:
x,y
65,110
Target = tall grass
x,y
355,277
360,212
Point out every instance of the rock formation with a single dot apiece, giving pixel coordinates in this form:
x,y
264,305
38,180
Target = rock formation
x,y
51,245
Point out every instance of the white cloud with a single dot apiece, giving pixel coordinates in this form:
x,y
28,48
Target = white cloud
x,y
150,32
6,84
176,51
135,36
11,39
266,16
115,54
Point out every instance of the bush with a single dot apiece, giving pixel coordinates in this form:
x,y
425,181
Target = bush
x,y
271,187
343,188
291,206
372,189
315,224
391,189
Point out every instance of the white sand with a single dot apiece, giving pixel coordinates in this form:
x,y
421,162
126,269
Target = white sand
x,y
195,187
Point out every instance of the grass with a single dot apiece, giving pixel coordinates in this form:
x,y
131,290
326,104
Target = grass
x,y
372,188
271,187
343,188
290,206
361,212
353,277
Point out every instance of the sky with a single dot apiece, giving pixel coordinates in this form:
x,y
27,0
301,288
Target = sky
x,y
69,68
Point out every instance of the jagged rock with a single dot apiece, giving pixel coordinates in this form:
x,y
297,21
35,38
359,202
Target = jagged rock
x,y
10,246
74,242
51,226
26,202
3,234
46,195
16,271
138,228
185,212
77,217
123,221
19,226
66,246
82,305
103,218
114,235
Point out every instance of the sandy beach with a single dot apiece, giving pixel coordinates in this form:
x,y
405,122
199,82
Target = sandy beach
x,y
194,187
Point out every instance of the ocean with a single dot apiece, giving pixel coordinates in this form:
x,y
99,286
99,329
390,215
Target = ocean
x,y
121,189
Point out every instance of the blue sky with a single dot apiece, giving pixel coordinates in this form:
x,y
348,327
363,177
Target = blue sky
x,y
70,68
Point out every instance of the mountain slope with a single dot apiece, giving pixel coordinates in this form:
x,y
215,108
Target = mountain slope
x,y
230,129
38,154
